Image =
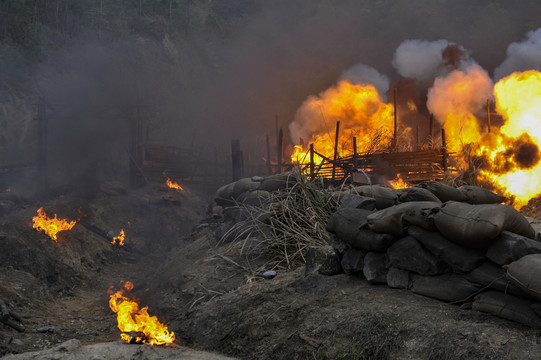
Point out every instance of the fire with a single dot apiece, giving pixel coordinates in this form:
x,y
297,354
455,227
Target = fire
x,y
361,112
51,226
133,321
120,238
173,184
399,183
513,152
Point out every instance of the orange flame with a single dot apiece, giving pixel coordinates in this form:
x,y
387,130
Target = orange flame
x,y
50,226
513,152
120,238
132,320
399,183
361,113
173,184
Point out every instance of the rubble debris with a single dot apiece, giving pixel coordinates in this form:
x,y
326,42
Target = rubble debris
x,y
269,274
322,260
45,329
10,318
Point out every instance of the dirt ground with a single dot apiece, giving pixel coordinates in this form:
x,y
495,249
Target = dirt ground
x,y
210,296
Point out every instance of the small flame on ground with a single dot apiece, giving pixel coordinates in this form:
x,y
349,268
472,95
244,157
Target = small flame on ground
x,y
132,320
399,183
51,226
173,184
120,238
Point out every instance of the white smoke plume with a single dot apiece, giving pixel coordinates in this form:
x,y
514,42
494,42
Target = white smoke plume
x,y
461,92
525,55
364,74
424,60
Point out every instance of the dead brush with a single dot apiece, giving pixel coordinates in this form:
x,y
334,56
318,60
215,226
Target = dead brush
x,y
286,224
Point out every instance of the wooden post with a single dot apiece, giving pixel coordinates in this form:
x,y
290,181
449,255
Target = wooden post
x,y
444,150
335,149
395,121
488,115
312,164
236,160
42,145
355,152
431,131
417,145
279,148
269,167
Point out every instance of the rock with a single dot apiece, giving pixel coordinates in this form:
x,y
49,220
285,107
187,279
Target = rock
x,y
398,278
375,268
258,178
322,260
409,254
45,329
353,261
70,345
339,245
269,274
510,247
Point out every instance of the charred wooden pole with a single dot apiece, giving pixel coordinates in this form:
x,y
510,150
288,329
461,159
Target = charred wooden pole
x,y
312,164
445,155
395,143
418,141
279,149
431,131
488,115
236,160
42,145
269,167
355,152
335,149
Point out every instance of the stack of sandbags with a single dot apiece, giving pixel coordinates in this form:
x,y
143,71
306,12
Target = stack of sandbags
x,y
457,245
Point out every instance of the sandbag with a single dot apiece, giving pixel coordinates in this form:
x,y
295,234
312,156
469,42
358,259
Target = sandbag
x,y
460,258
478,195
408,254
510,247
243,185
254,198
353,261
415,194
278,181
375,268
394,219
370,241
348,200
398,278
447,287
507,307
384,197
478,226
524,273
492,276
443,192
347,222
223,196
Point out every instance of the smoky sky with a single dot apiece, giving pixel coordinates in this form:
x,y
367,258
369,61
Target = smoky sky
x,y
203,90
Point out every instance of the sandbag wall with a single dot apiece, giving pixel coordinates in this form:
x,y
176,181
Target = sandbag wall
x,y
457,245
